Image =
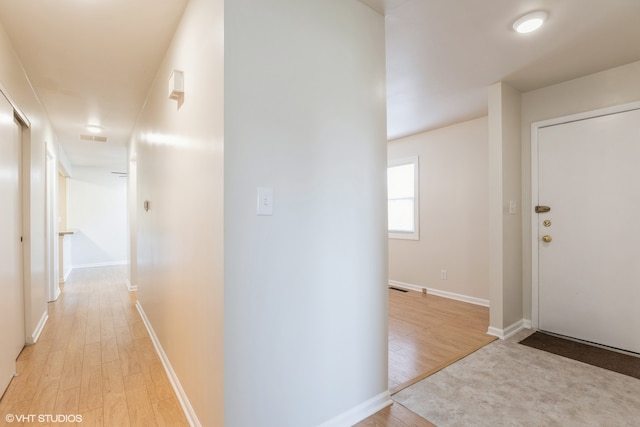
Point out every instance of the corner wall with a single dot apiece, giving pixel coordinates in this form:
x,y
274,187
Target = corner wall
x,y
305,289
18,88
178,148
454,211
505,210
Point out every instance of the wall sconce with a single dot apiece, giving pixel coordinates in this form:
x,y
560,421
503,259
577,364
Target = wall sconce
x,y
176,84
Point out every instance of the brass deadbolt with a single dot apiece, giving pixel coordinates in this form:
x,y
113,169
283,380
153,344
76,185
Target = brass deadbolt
x,y
546,223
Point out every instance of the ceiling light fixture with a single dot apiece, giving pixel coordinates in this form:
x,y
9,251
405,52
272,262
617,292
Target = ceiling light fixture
x,y
94,128
530,22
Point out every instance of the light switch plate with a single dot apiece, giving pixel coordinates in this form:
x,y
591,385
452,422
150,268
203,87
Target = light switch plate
x,y
265,201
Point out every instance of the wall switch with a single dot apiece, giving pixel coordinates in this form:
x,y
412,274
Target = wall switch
x,y
265,201
443,274
512,207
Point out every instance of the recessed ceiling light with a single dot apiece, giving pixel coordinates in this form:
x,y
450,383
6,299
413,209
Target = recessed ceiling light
x,y
530,22
94,128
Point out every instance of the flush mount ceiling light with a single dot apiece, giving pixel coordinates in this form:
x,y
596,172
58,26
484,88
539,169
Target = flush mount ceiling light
x,y
530,22
94,128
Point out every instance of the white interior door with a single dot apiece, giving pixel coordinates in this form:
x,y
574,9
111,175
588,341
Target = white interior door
x,y
589,273
12,335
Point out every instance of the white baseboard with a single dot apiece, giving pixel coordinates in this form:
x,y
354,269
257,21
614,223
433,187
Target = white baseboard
x,y
67,273
130,287
360,412
33,338
100,264
510,330
495,332
192,418
56,294
440,293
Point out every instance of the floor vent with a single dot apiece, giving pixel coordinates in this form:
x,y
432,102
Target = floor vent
x,y
397,289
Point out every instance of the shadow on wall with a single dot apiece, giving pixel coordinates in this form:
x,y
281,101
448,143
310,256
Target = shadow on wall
x,y
85,252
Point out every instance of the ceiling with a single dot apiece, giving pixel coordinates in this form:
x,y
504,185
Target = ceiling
x,y
443,54
93,61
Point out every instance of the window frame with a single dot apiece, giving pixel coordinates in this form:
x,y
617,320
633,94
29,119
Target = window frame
x,y
415,234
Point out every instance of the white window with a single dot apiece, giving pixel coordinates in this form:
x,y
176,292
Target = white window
x,y
403,202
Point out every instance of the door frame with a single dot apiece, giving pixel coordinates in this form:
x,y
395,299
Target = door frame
x,y
21,130
16,329
51,227
25,208
535,127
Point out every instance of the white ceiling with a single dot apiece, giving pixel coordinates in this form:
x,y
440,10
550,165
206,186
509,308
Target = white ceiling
x,y
93,61
443,54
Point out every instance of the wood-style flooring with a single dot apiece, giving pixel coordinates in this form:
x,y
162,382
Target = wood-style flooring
x,y
426,334
94,359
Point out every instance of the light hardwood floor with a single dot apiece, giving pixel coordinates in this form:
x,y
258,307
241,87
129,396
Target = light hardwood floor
x,y
426,334
94,359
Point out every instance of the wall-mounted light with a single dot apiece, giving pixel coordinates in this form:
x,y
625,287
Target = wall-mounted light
x,y
530,22
176,84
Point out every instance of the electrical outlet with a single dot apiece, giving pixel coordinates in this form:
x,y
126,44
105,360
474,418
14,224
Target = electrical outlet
x,y
443,274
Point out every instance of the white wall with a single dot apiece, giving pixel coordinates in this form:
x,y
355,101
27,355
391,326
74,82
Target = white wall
x,y
18,88
505,220
97,212
616,86
454,222
132,216
305,289
178,150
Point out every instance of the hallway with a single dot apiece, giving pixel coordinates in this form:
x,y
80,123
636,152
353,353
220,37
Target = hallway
x,y
94,359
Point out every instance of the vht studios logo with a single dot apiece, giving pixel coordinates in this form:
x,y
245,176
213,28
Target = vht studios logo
x,y
43,418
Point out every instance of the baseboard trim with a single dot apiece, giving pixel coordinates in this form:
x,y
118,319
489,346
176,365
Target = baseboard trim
x,y
35,336
57,293
360,412
101,264
440,293
189,413
130,287
66,274
510,330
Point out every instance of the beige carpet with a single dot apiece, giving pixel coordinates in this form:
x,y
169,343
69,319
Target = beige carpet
x,y
508,384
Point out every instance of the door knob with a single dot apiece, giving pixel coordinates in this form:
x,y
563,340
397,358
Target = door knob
x,y
546,238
